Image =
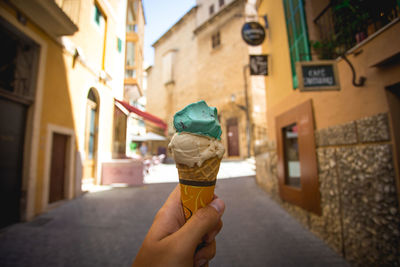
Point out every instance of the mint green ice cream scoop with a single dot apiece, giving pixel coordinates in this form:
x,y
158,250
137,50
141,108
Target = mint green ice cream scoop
x,y
198,118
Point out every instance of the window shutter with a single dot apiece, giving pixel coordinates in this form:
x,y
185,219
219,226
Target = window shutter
x,y
297,34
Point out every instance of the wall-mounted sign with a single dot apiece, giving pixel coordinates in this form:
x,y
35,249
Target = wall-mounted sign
x,y
253,33
317,75
258,65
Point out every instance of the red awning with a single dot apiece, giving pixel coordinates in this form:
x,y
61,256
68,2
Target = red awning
x,y
145,115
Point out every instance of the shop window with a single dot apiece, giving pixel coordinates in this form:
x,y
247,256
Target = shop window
x,y
297,161
119,135
296,25
291,155
211,10
216,40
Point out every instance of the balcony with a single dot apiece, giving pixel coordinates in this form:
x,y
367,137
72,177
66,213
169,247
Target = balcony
x,y
71,8
52,16
345,23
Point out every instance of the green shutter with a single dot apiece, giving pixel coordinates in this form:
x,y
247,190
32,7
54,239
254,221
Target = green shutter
x,y
297,34
119,44
97,14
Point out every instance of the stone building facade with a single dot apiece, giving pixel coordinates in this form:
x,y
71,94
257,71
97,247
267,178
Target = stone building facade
x,y
335,167
202,57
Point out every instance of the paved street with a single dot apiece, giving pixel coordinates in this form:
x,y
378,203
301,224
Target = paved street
x,y
106,229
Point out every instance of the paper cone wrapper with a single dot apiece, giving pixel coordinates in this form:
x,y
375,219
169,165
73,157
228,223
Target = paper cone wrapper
x,y
197,185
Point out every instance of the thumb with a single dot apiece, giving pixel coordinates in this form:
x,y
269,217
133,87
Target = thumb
x,y
202,222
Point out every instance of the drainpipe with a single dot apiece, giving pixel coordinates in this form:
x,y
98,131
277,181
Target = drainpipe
x,y
247,110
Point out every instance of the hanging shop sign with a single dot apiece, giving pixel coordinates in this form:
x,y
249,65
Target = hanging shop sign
x,y
253,33
259,65
317,75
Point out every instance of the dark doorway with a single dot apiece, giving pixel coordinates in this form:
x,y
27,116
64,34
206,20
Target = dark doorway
x,y
233,137
12,132
57,169
393,97
18,72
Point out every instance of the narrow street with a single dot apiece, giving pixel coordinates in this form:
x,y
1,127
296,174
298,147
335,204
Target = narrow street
x,y
106,229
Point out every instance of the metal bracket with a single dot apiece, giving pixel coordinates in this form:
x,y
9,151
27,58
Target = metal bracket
x,y
361,80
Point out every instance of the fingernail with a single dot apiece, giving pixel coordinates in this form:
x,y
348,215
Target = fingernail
x,y
218,205
200,263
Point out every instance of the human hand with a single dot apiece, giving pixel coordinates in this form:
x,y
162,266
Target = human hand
x,y
172,242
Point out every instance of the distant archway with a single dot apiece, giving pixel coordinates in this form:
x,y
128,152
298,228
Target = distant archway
x,y
91,134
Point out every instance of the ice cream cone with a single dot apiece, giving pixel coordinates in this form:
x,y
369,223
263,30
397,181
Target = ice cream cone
x,y
197,185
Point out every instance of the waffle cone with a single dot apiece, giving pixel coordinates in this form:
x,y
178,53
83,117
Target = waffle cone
x,y
206,172
197,185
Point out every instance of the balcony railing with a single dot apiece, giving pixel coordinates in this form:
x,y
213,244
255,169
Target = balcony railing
x,y
345,23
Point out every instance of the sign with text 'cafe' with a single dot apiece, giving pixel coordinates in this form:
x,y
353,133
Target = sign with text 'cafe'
x,y
317,75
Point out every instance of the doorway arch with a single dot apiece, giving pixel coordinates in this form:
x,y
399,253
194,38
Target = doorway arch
x,y
91,134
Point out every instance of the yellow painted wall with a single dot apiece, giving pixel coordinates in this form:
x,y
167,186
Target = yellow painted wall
x,y
65,87
330,107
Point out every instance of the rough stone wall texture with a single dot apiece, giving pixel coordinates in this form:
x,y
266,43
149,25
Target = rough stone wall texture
x,y
373,129
266,173
371,221
345,134
360,212
328,227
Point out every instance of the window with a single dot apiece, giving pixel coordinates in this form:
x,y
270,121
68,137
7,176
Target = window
x,y
130,73
211,9
130,54
221,3
101,22
97,14
99,17
167,67
18,63
119,44
131,28
297,34
297,160
215,40
291,154
131,25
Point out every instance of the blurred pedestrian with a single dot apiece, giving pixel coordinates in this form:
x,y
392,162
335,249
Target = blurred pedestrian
x,y
172,242
143,149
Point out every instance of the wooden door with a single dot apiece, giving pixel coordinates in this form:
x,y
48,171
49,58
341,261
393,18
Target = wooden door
x,y
12,133
57,169
233,137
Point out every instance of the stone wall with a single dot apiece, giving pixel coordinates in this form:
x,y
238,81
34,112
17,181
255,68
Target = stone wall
x,y
360,216
202,72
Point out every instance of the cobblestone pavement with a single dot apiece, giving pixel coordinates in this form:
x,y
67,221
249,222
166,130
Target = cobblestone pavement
x,y
106,229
